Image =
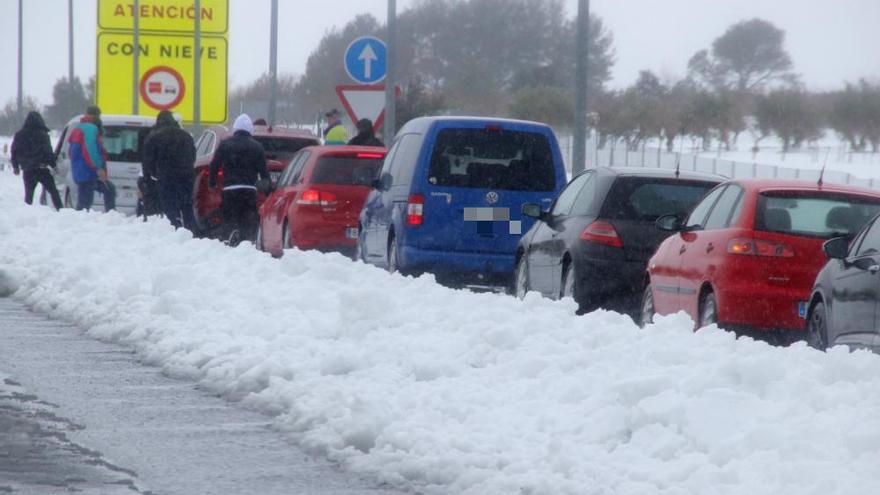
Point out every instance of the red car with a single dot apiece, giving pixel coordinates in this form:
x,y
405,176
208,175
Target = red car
x,y
749,252
318,199
280,143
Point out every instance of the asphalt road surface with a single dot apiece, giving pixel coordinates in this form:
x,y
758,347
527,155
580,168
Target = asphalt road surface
x,y
78,415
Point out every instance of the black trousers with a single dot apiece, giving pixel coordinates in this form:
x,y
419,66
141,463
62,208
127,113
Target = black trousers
x,y
176,194
239,208
42,176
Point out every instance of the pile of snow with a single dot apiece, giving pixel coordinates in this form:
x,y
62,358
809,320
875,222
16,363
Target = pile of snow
x,y
453,392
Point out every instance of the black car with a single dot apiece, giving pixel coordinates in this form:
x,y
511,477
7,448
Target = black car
x,y
846,296
595,241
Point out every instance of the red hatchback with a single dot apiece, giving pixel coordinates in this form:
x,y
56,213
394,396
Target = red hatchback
x,y
280,143
318,199
748,254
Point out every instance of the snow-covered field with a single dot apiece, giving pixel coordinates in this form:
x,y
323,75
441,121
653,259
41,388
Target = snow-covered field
x,y
448,391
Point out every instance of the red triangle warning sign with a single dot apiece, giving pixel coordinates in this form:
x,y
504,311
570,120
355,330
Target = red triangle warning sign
x,y
363,102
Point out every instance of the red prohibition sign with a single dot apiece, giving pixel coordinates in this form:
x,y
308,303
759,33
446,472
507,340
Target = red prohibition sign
x,y
162,88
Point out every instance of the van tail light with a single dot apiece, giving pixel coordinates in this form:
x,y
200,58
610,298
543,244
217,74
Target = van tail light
x,y
415,210
602,232
758,247
314,197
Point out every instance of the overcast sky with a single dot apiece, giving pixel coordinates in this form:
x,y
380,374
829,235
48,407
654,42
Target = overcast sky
x,y
830,41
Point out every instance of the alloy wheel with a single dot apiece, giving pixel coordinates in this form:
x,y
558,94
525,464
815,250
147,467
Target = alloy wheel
x,y
522,278
392,256
361,246
286,237
258,242
708,310
568,286
646,316
817,328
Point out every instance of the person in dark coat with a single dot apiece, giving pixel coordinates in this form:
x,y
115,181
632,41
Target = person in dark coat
x,y
242,160
366,136
32,155
169,156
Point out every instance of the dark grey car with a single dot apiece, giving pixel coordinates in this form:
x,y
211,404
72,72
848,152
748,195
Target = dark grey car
x,y
595,241
846,296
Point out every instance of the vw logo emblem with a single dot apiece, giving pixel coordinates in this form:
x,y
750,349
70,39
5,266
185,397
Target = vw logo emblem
x,y
492,197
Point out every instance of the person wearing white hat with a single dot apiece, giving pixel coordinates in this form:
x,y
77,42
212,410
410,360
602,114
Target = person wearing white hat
x,y
242,160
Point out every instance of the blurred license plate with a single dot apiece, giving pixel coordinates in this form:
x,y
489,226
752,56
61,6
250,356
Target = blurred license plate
x,y
802,309
351,233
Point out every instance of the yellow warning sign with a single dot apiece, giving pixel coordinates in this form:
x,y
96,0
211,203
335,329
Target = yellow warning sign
x,y
166,63
164,15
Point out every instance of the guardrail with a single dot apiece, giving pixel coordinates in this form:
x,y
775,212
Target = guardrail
x,y
620,155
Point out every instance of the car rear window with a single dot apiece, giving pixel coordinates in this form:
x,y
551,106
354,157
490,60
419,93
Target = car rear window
x,y
281,147
124,143
814,213
647,199
492,159
340,170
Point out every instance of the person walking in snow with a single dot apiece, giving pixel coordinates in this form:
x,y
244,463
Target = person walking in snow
x,y
366,136
335,133
88,162
168,158
242,159
32,156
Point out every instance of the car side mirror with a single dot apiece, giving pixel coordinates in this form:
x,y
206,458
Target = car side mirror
x,y
837,248
265,186
384,182
363,176
669,223
532,210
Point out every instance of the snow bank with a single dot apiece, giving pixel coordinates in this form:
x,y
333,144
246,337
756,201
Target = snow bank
x,y
451,392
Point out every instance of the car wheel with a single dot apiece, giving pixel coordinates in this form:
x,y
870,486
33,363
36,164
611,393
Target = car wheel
x,y
708,310
392,255
361,245
521,283
568,282
817,327
258,242
286,241
646,315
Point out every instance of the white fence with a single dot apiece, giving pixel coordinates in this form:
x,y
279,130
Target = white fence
x,y
652,156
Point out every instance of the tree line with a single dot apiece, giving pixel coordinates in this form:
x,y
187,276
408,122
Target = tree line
x,y
743,83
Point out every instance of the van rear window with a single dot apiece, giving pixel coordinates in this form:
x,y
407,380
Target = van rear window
x,y
492,159
814,214
340,170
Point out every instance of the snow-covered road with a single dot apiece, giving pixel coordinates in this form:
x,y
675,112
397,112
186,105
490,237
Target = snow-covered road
x,y
448,391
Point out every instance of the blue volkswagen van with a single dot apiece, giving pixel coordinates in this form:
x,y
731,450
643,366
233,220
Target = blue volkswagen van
x,y
449,197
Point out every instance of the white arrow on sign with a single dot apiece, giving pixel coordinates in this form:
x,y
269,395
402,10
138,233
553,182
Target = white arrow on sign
x,y
368,56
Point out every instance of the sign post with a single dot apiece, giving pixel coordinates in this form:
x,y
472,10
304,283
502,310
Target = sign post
x,y
391,85
136,55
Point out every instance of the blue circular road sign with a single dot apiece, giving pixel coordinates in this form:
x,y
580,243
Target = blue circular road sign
x,y
365,60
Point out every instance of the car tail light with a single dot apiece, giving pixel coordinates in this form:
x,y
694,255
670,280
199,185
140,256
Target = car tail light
x,y
415,210
602,233
314,197
371,156
758,247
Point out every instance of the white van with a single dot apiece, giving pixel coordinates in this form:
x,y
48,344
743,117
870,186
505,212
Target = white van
x,y
124,137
